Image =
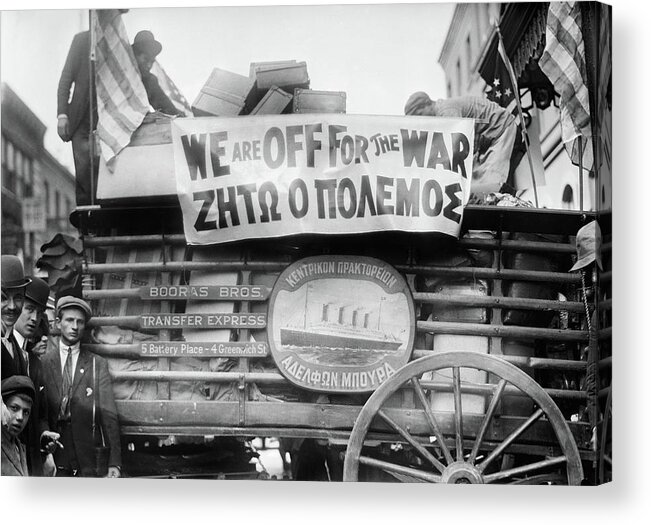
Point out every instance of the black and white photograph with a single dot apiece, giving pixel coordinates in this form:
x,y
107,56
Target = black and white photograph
x,y
315,243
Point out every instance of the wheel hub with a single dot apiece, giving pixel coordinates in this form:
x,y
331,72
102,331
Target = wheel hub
x,y
461,473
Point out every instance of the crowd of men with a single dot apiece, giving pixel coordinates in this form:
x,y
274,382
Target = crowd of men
x,y
58,412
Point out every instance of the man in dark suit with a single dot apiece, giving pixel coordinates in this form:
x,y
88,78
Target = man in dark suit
x,y
146,48
74,113
13,299
33,344
79,397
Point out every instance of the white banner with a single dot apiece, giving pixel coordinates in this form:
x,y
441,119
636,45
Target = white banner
x,y
269,176
34,219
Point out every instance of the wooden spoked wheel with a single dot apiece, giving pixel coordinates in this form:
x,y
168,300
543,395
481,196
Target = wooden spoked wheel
x,y
447,454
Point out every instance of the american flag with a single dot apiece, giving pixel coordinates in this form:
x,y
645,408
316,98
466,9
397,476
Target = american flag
x,y
563,61
122,101
503,90
170,89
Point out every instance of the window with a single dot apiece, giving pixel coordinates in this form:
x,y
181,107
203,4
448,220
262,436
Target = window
x,y
18,164
46,191
468,54
483,21
459,83
57,204
10,156
568,197
9,177
28,178
4,150
20,178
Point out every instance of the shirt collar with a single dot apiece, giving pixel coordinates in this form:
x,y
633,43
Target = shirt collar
x,y
6,336
64,347
19,339
6,332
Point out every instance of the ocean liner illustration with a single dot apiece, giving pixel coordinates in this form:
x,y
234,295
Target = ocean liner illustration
x,y
339,325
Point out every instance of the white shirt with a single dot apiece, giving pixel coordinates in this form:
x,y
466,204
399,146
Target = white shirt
x,y
63,353
22,347
6,340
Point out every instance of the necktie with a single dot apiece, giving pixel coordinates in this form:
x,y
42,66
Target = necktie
x,y
66,390
6,342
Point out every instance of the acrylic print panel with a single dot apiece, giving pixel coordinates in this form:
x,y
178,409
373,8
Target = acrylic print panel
x,y
479,354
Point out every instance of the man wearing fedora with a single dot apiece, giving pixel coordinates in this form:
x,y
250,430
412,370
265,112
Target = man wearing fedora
x,y
146,48
33,343
14,283
79,395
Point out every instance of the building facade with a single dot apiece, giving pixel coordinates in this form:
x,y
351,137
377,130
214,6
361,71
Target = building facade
x,y
468,57
38,193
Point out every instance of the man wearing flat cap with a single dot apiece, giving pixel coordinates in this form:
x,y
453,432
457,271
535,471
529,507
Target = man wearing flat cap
x,y
80,402
18,395
495,134
146,48
31,338
588,247
14,283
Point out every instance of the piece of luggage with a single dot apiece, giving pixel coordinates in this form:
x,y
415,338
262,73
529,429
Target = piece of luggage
x,y
225,94
312,101
287,75
275,102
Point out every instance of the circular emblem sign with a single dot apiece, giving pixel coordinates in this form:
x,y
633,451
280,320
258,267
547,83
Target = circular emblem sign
x,y
340,323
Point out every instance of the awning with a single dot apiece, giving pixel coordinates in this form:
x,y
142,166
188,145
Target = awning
x,y
523,29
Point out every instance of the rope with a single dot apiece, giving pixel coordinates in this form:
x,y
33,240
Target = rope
x,y
592,368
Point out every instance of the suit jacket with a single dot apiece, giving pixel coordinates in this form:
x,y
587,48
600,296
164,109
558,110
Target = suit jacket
x,y
76,72
85,391
14,462
157,97
38,420
13,366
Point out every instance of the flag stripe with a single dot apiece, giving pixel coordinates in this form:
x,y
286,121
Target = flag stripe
x,y
563,61
122,101
125,116
115,58
568,78
170,89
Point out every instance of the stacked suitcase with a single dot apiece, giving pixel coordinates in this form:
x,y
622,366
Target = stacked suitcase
x,y
272,88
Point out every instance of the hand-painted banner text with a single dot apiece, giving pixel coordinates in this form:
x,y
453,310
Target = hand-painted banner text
x,y
269,176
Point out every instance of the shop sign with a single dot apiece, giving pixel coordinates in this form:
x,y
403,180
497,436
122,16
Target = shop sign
x,y
203,321
205,293
203,349
34,219
340,323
